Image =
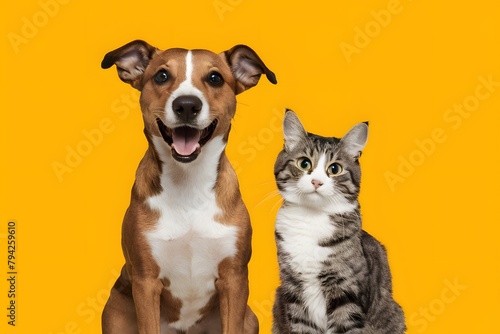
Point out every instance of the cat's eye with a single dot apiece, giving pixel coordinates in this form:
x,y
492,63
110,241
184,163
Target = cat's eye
x,y
334,169
304,164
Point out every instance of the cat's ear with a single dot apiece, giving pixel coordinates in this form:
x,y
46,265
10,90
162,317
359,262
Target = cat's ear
x,y
355,140
293,130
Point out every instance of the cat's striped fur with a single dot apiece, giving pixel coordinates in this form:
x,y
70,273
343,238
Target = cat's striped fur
x,y
335,277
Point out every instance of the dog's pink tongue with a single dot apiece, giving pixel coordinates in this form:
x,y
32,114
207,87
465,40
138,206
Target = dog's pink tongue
x,y
185,140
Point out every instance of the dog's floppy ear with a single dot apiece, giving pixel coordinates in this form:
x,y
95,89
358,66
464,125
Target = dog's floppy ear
x,y
131,61
247,67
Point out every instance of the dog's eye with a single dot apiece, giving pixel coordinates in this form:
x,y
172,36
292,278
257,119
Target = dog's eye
x,y
161,77
215,79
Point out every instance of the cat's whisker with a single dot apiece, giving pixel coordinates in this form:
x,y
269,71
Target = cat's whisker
x,y
299,192
272,194
280,201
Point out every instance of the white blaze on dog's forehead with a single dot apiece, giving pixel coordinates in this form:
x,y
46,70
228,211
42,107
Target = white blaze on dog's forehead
x,y
189,66
186,88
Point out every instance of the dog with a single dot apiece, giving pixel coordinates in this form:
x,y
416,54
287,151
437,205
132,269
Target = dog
x,y
186,235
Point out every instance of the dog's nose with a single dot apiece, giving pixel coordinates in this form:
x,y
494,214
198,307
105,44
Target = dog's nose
x,y
187,107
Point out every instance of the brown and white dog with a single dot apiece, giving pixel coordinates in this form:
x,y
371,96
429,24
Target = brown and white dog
x,y
186,235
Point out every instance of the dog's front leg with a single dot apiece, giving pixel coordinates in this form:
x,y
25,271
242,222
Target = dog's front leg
x,y
232,286
146,293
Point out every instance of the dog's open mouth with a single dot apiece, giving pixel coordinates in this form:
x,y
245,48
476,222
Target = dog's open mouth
x,y
186,142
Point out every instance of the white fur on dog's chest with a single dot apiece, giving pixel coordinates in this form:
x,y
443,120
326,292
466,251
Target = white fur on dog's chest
x,y
188,243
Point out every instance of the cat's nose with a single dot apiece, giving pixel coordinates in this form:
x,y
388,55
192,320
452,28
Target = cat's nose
x,y
316,184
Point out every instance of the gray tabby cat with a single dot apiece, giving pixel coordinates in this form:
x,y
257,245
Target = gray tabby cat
x,y
335,277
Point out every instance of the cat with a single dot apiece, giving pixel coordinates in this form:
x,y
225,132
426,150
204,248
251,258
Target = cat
x,y
335,277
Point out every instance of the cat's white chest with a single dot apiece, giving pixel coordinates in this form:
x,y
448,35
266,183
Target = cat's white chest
x,y
302,229
188,243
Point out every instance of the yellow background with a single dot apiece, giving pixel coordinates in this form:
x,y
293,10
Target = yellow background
x,y
439,220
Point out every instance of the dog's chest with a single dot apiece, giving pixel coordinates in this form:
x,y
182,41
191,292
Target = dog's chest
x,y
188,243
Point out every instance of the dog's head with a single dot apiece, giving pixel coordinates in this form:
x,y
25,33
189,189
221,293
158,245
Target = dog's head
x,y
187,96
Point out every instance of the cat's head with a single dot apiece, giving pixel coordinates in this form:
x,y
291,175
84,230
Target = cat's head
x,y
320,172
